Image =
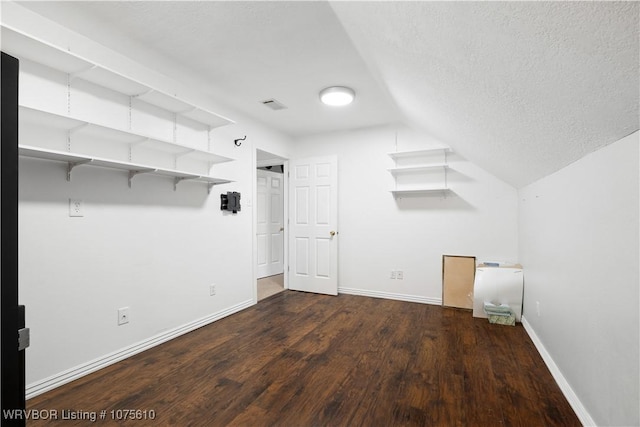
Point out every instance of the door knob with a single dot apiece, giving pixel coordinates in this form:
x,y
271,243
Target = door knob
x,y
332,233
281,228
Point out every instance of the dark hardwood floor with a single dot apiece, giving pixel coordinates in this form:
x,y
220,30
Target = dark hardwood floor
x,y
299,359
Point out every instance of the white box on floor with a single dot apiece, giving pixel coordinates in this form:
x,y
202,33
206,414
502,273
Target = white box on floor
x,y
498,285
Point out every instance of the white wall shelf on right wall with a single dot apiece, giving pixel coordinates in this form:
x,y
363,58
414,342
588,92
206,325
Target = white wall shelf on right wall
x,y
420,172
416,169
420,192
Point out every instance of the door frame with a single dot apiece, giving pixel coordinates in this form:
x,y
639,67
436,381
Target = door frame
x,y
270,268
276,160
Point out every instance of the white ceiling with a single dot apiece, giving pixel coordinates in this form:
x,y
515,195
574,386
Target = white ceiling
x,y
519,88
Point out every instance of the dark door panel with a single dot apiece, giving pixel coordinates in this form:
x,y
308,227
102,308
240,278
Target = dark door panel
x,y
12,360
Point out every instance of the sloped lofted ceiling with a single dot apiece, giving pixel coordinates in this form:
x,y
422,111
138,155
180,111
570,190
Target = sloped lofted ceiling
x,y
520,88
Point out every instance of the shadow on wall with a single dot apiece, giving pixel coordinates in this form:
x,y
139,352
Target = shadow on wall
x,y
444,200
438,200
456,177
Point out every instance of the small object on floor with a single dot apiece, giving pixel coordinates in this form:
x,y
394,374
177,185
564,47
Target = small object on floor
x,y
501,319
500,314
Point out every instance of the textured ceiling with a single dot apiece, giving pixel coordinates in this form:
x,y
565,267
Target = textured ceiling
x,y
519,88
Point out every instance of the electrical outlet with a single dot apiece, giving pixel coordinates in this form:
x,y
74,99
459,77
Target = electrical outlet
x,y
76,207
393,274
400,275
212,290
123,315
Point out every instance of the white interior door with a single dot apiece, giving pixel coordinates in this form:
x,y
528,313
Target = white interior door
x,y
270,225
313,241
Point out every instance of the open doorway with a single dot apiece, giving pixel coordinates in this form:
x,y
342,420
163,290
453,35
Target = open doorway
x,y
270,224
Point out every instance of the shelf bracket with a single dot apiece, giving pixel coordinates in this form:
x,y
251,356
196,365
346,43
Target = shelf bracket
x,y
132,174
210,186
71,165
176,181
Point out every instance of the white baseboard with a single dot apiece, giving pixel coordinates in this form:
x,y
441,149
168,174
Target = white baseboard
x,y
569,394
79,371
389,295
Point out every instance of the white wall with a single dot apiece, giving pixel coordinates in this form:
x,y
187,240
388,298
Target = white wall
x,y
149,248
379,234
579,246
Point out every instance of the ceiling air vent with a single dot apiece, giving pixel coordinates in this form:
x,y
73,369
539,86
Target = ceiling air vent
x,y
273,104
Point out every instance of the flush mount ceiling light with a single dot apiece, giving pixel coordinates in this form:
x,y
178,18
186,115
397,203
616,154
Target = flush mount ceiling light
x,y
337,96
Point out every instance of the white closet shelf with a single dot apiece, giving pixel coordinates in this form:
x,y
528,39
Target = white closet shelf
x,y
416,153
94,161
38,117
417,169
175,105
212,180
74,160
25,47
420,192
60,156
